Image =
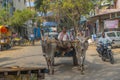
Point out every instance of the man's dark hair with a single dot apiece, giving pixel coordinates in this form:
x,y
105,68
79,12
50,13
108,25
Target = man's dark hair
x,y
64,27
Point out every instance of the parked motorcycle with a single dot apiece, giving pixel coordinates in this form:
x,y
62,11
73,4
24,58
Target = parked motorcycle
x,y
105,52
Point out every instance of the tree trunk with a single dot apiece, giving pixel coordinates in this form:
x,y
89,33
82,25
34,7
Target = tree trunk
x,y
29,4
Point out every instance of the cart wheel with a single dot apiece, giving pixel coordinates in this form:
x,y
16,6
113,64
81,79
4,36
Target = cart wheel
x,y
75,60
53,63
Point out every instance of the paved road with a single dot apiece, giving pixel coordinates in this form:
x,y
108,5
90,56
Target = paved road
x,y
31,56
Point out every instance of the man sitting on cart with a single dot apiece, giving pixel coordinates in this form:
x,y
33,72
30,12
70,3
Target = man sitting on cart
x,y
63,35
64,39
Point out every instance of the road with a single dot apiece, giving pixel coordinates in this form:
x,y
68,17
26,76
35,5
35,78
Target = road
x,y
31,56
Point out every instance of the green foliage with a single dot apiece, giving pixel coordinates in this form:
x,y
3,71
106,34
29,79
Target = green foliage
x,y
4,15
42,5
70,11
20,17
38,4
67,11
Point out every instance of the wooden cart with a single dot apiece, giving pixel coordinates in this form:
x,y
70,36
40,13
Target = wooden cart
x,y
50,52
22,73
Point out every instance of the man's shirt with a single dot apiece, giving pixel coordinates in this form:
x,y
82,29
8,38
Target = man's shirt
x,y
104,40
63,36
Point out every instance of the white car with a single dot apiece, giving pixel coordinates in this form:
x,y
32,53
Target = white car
x,y
112,36
51,34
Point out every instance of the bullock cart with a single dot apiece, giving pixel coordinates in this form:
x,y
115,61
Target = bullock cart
x,y
53,48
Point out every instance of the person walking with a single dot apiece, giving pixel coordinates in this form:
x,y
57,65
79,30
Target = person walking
x,y
32,39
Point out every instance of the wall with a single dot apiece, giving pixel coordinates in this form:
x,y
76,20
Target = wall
x,y
19,4
30,4
118,4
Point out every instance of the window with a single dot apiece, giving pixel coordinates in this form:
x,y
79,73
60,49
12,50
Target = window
x,y
118,34
112,34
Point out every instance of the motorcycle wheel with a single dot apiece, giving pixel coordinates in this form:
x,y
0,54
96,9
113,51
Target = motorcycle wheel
x,y
111,57
103,58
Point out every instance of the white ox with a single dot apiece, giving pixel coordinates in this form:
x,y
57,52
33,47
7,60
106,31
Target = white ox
x,y
49,48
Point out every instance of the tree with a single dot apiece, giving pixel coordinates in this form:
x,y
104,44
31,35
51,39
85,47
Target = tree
x,y
20,17
4,16
68,11
72,10
38,4
42,5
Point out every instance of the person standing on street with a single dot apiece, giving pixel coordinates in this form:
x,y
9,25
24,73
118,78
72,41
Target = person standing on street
x,y
32,38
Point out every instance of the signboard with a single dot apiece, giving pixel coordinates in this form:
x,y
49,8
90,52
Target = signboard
x,y
110,24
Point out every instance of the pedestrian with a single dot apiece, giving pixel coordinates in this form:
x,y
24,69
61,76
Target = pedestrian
x,y
32,38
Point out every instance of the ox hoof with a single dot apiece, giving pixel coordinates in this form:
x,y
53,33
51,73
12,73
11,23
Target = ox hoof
x,y
82,73
75,65
44,55
51,72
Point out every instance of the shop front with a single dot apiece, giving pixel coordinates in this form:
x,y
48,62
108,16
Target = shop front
x,y
4,37
107,21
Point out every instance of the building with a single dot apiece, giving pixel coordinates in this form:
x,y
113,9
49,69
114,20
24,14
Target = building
x,y
19,4
0,3
118,4
30,4
110,14
23,4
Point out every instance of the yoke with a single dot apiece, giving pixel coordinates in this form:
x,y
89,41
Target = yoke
x,y
63,48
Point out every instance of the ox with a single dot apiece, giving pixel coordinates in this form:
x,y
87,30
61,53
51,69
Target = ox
x,y
49,47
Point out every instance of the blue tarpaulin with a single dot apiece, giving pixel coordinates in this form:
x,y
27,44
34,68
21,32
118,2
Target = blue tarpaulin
x,y
49,24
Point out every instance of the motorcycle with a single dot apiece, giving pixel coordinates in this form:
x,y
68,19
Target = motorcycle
x,y
105,52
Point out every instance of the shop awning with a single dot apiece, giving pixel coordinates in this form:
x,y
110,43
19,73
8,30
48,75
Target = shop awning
x,y
3,29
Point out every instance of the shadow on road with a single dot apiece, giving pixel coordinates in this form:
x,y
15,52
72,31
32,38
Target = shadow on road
x,y
12,49
5,59
26,56
7,64
93,71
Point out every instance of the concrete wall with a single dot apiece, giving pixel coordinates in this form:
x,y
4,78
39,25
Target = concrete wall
x,y
118,4
19,4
